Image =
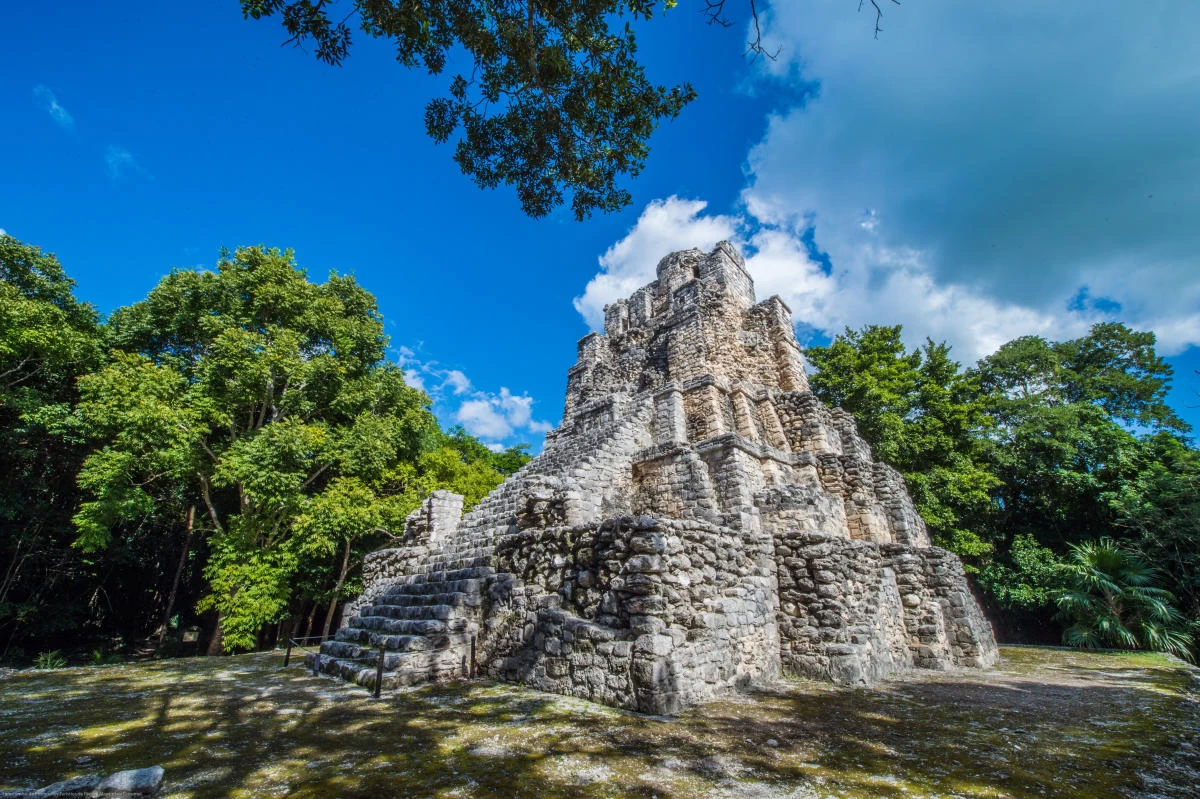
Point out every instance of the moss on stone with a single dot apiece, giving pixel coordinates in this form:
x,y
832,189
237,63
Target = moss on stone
x,y
1046,722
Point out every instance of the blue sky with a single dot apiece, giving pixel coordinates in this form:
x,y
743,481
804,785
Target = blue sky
x,y
978,173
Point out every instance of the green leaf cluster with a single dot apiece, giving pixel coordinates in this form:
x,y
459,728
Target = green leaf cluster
x,y
1112,600
1033,459
551,100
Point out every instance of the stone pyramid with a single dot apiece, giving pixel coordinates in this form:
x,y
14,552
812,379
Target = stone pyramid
x,y
698,523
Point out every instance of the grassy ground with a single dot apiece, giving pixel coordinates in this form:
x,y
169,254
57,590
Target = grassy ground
x,y
1046,722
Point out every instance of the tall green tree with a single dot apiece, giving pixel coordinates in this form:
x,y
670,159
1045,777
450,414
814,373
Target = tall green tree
x,y
1072,422
47,339
1158,514
1068,417
920,413
246,392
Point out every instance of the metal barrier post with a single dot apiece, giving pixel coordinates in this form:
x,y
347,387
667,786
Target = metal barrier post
x,y
287,658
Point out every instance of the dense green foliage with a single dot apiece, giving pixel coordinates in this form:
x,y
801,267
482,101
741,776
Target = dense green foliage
x,y
1041,456
47,340
550,97
237,440
1112,600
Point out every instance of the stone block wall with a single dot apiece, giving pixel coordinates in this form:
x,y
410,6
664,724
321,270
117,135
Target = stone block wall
x,y
436,518
840,615
645,614
855,611
945,624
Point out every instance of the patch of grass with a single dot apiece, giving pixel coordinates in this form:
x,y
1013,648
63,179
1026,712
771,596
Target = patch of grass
x,y
100,657
1046,722
50,660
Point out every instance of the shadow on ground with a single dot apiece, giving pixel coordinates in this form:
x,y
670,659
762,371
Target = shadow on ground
x,y
1046,722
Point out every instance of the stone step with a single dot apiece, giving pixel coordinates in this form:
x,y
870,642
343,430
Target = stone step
x,y
470,549
449,565
400,613
364,654
435,565
360,642
408,669
458,599
401,627
445,575
464,548
375,640
467,586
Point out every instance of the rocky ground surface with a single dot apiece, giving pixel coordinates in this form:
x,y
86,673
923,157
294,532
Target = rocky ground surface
x,y
1045,722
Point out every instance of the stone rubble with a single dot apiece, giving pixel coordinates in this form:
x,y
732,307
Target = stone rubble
x,y
699,522
138,782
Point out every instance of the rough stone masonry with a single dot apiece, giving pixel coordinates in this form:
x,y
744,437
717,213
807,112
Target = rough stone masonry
x,y
698,523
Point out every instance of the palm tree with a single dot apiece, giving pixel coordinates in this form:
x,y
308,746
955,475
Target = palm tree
x,y
1113,601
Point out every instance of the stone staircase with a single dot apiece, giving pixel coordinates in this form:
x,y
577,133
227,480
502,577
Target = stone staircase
x,y
425,623
428,622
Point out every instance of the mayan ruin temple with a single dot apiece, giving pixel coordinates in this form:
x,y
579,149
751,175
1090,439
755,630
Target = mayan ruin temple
x,y
699,522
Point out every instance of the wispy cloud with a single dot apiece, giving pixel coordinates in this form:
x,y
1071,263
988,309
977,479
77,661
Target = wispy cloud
x,y
120,163
49,103
457,382
494,417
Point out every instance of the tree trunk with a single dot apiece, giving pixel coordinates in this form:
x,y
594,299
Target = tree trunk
x,y
312,613
216,644
337,589
187,542
287,629
14,570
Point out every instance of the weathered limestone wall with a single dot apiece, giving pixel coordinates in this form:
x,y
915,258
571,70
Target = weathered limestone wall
x,y
436,519
945,625
639,613
698,522
854,611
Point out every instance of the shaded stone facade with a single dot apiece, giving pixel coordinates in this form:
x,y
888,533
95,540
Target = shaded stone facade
x,y
699,522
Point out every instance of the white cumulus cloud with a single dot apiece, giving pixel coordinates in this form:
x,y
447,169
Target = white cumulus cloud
x,y
497,418
664,226
1014,156
482,417
870,284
